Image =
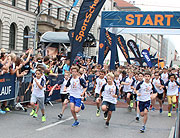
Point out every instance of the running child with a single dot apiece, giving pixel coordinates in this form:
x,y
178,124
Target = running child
x,y
75,83
144,90
110,94
64,94
127,82
117,82
100,81
38,94
172,91
138,80
159,85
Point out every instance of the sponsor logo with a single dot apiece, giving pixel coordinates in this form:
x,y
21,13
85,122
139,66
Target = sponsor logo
x,y
88,16
123,49
109,38
101,45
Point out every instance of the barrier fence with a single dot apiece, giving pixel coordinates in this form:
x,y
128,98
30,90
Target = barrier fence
x,y
13,88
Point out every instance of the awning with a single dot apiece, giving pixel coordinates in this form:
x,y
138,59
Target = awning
x,y
55,37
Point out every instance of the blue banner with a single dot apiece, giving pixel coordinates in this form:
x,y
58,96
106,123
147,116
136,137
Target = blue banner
x,y
7,87
146,56
106,51
56,93
135,50
122,45
111,41
141,19
74,4
101,46
86,17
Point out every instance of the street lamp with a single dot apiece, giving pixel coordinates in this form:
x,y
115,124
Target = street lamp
x,y
35,30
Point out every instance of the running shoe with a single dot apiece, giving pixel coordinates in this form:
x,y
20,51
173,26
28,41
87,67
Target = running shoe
x,y
76,123
60,116
98,112
107,124
137,118
82,106
7,109
32,112
169,114
43,119
2,112
131,104
173,105
129,108
105,115
35,115
153,109
160,110
142,129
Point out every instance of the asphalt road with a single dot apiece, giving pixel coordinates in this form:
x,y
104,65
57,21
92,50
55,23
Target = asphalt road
x,y
19,124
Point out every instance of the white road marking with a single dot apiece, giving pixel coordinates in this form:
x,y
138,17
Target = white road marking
x,y
55,124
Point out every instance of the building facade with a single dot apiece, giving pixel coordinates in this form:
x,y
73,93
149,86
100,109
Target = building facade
x,y
16,21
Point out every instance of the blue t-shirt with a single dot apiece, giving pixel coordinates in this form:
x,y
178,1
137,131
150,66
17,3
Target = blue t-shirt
x,y
66,67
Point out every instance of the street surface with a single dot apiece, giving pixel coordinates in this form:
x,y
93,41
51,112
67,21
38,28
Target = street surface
x,y
19,124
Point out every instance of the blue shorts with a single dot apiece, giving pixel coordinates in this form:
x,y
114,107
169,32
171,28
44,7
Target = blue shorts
x,y
111,106
76,101
144,105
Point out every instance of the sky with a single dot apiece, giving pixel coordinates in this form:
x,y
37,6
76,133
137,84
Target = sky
x,y
161,5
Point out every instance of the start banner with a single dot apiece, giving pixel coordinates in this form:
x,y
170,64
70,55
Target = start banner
x,y
141,19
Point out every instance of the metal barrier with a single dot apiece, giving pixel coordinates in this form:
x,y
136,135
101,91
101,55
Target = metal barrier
x,y
13,88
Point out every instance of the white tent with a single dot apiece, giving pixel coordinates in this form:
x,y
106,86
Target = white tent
x,y
55,37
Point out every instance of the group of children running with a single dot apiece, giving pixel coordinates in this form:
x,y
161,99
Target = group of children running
x,y
143,85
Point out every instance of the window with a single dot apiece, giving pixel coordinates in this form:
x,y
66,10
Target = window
x,y
13,2
66,14
49,10
73,20
114,4
27,5
12,36
58,13
25,40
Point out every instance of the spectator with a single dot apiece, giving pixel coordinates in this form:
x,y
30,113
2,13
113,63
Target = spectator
x,y
66,67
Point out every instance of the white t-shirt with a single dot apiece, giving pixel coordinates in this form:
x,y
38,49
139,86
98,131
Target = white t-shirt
x,y
145,90
127,88
117,83
75,87
36,90
108,91
99,84
172,88
164,77
63,84
157,82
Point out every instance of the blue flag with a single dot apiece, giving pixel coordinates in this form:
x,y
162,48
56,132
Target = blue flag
x,y
122,45
101,46
110,39
146,56
74,4
88,12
